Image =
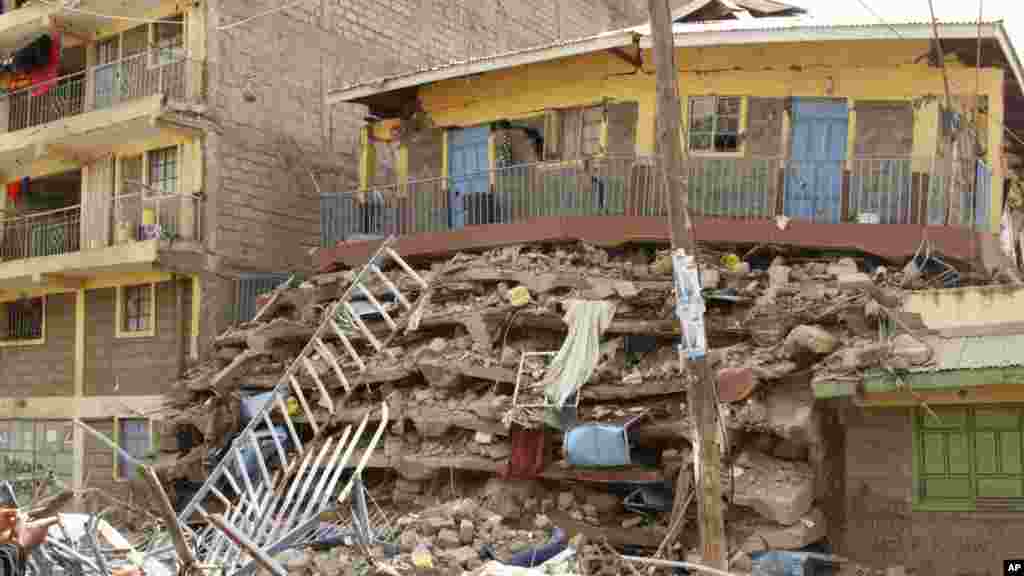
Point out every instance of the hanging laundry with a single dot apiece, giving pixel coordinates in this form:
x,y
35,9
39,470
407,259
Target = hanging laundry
x,y
25,190
46,76
13,190
35,55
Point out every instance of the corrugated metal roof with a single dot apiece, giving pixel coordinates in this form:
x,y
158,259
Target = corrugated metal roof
x,y
976,352
752,31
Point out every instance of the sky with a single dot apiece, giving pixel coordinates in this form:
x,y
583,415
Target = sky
x,y
1010,11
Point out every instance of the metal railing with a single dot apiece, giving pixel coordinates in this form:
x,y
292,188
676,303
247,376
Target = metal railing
x,y
146,216
903,190
133,217
46,233
164,71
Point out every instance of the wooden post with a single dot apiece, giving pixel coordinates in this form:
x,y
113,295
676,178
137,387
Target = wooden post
x,y
703,400
179,325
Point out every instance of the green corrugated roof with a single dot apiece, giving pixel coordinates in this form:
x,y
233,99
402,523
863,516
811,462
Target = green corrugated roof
x,y
976,352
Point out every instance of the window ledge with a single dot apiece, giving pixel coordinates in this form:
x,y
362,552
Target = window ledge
x,y
22,343
128,335
696,154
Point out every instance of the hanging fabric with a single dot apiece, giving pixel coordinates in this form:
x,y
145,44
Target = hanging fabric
x,y
46,76
25,188
13,190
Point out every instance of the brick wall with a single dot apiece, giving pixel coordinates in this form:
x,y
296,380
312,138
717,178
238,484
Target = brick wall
x,y
882,529
46,369
129,366
267,82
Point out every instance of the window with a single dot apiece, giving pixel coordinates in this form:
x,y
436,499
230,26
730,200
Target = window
x,y
163,170
969,458
715,123
136,311
33,450
574,133
134,438
168,38
22,321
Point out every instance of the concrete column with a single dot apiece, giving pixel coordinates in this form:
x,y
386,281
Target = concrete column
x,y
78,436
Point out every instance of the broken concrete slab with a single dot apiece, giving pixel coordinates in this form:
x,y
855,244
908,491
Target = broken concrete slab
x,y
811,528
278,332
857,281
780,491
442,373
910,350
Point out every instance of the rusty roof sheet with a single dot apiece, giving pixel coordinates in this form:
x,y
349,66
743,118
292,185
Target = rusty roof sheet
x,y
976,352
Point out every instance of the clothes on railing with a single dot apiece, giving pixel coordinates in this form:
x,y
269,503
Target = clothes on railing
x,y
44,77
17,189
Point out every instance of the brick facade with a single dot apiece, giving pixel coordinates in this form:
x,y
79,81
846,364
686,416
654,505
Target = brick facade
x,y
882,529
46,369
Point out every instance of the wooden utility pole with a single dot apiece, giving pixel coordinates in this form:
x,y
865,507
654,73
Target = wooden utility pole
x,y
703,401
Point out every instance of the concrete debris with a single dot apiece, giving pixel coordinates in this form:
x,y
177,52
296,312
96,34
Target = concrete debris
x,y
449,382
780,491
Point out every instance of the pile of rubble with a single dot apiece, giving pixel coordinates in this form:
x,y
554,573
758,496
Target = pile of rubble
x,y
773,323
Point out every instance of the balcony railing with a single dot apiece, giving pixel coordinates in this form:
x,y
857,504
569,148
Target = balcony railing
x,y
870,190
41,234
163,71
131,218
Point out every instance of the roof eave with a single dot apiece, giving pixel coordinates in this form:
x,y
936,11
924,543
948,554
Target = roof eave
x,y
618,39
1011,54
818,34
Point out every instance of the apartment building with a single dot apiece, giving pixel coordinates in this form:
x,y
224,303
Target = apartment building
x,y
152,151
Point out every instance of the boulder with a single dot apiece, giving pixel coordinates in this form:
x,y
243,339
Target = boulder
x,y
810,339
780,491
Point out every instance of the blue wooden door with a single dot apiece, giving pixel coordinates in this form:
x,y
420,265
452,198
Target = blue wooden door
x,y
468,181
814,177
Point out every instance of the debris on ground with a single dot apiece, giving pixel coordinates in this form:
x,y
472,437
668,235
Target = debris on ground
x,y
468,476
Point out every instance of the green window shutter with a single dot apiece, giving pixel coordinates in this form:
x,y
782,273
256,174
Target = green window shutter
x,y
943,471
998,452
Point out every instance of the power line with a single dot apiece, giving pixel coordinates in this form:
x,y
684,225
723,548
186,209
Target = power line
x,y
880,19
260,15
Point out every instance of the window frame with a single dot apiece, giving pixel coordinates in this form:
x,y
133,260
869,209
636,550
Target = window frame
x,y
157,49
36,451
150,441
121,312
970,431
4,343
741,119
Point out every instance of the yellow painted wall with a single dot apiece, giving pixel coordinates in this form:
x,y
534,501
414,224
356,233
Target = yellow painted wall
x,y
970,306
864,70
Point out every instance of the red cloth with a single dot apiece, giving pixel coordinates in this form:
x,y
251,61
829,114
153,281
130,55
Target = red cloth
x,y
529,449
44,78
13,190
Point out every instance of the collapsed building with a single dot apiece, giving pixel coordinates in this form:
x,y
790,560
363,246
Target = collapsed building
x,y
471,422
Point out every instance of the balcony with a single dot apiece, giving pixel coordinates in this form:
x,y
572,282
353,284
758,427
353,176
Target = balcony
x,y
21,21
94,109
825,203
126,233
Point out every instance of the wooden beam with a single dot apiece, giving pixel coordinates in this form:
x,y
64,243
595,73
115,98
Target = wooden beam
x,y
636,60
703,399
58,281
988,394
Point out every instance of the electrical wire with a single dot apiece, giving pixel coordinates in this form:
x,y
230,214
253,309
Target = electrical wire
x,y
879,17
260,15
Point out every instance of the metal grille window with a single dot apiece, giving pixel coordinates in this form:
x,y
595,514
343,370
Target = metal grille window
x,y
715,123
33,450
22,320
134,438
138,308
163,170
969,458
